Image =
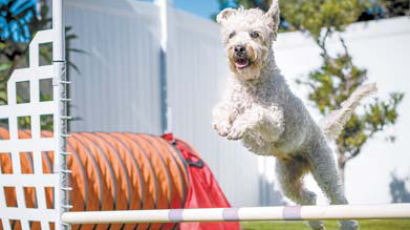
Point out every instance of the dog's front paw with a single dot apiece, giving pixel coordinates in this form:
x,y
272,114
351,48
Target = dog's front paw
x,y
222,128
236,133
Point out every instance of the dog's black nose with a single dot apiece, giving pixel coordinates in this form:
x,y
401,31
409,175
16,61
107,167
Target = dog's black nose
x,y
239,49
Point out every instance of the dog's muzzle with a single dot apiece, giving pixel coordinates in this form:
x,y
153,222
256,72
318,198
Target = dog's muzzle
x,y
241,58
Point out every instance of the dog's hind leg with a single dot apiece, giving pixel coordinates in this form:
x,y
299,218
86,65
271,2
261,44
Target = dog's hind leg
x,y
323,169
290,175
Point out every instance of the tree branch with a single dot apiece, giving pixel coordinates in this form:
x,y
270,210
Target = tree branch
x,y
342,40
322,43
354,154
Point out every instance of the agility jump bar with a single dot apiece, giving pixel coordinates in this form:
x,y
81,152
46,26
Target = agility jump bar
x,y
288,213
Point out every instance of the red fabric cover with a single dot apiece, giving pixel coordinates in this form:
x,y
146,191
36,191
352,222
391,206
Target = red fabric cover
x,y
203,190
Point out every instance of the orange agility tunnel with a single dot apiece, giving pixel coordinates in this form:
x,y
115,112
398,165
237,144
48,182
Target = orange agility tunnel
x,y
124,171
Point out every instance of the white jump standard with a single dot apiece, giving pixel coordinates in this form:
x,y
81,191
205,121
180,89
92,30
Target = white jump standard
x,y
288,213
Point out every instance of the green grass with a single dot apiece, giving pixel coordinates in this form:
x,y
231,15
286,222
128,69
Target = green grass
x,y
330,225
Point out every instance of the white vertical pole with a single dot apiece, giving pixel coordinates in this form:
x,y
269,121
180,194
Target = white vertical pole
x,y
166,115
163,8
58,27
60,123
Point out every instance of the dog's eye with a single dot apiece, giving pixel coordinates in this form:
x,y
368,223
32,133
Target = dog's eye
x,y
231,35
254,34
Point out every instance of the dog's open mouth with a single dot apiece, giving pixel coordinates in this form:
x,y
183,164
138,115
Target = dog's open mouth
x,y
242,63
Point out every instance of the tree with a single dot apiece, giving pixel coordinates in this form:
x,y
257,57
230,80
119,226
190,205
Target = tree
x,y
373,9
338,76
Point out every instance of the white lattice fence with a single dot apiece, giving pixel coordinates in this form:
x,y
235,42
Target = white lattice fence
x,y
33,108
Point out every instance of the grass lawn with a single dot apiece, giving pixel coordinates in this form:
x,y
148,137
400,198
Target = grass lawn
x,y
330,225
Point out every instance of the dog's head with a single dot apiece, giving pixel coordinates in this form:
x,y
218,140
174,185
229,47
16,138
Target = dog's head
x,y
248,36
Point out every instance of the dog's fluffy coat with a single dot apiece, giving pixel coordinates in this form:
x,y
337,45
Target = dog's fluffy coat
x,y
259,109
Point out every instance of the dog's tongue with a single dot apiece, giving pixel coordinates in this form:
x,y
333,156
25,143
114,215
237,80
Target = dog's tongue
x,y
242,63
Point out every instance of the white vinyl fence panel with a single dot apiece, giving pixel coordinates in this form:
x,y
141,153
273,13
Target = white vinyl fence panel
x,y
117,88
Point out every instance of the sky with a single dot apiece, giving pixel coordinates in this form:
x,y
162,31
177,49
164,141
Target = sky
x,y
202,8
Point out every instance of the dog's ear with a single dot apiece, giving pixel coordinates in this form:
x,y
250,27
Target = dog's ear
x,y
273,15
224,15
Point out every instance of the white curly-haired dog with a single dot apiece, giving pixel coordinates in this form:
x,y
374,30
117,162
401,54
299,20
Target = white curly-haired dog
x,y
260,110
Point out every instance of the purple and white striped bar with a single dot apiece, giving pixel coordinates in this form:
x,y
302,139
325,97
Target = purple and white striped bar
x,y
290,213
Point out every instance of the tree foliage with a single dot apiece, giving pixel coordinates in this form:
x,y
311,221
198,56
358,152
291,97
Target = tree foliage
x,y
338,76
314,15
332,84
361,10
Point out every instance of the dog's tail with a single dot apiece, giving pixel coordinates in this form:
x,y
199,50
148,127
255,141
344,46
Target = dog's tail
x,y
333,124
